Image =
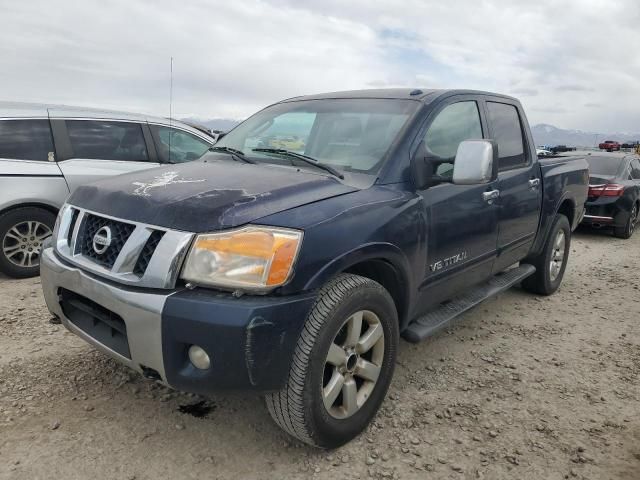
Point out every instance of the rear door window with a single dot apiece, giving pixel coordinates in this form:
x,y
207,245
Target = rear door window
x,y
177,146
26,140
506,129
105,140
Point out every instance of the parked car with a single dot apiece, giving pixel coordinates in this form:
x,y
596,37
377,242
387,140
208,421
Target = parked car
x,y
609,146
542,152
294,273
633,144
48,151
562,148
614,193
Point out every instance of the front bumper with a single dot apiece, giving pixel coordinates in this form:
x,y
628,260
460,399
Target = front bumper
x,y
250,339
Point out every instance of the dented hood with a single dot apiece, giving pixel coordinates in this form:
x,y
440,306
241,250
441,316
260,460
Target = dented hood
x,y
206,195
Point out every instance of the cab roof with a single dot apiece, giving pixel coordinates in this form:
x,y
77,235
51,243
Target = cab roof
x,y
425,95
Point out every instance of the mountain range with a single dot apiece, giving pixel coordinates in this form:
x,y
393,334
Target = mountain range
x,y
543,133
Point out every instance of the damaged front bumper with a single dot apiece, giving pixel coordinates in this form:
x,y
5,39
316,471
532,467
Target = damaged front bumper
x,y
250,340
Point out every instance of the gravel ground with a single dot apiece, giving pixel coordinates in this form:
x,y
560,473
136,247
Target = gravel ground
x,y
522,387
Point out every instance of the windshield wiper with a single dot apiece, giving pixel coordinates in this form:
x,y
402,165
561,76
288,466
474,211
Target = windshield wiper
x,y
234,152
304,158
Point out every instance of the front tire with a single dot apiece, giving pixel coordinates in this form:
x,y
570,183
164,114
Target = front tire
x,y
627,230
552,261
342,365
22,232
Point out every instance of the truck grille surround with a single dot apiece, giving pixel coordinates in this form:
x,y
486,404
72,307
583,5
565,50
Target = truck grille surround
x,y
121,250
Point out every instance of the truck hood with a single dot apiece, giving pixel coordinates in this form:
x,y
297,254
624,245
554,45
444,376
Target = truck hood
x,y
206,195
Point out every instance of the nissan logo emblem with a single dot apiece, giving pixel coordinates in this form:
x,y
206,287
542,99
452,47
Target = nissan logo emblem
x,y
102,240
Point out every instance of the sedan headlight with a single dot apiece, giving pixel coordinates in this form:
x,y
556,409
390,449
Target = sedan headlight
x,y
256,258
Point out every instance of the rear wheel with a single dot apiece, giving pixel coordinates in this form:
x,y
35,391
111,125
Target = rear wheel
x,y
552,261
22,232
627,230
342,365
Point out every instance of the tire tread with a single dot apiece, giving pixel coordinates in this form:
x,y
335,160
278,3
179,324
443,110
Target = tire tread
x,y
286,406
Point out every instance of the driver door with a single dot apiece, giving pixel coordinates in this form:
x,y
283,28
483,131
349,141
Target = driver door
x,y
462,223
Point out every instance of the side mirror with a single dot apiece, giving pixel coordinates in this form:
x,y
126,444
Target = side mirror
x,y
476,162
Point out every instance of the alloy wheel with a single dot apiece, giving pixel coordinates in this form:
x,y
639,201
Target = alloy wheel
x,y
557,256
633,220
22,244
353,364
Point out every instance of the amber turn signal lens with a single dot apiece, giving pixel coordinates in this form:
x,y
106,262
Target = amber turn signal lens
x,y
258,258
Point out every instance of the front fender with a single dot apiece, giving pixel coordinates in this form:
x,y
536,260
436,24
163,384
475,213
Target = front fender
x,y
386,252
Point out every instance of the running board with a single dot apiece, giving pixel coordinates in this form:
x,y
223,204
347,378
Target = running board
x,y
436,319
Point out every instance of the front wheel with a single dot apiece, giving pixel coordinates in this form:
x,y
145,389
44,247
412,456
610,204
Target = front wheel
x,y
552,261
342,365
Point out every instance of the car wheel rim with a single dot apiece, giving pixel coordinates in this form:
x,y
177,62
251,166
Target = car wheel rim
x,y
557,256
22,244
353,364
633,219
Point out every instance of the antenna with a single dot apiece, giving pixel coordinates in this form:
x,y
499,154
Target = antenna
x,y
170,105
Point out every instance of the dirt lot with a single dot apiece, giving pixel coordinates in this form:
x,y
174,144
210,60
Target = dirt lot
x,y
524,387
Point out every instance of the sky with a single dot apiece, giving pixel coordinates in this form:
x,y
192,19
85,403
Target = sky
x,y
573,63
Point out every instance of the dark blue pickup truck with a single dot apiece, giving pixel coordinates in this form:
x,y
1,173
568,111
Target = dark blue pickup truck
x,y
292,256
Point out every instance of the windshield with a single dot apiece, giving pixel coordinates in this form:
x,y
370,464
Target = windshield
x,y
603,165
348,134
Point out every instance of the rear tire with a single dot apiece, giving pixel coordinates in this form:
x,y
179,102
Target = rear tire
x,y
22,232
628,229
552,261
342,367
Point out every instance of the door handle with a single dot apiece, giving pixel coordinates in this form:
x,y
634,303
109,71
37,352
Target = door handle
x,y
490,196
533,183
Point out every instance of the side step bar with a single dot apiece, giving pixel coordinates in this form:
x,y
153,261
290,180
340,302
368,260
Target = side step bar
x,y
436,319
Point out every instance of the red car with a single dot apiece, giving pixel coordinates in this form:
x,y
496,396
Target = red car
x,y
609,146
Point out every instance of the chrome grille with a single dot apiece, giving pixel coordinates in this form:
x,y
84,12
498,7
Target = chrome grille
x,y
120,233
74,219
139,255
147,252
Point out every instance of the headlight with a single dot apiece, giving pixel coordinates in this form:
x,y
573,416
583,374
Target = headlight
x,y
61,214
255,258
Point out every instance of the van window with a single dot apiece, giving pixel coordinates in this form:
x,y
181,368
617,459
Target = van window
x,y
507,131
104,140
177,146
26,140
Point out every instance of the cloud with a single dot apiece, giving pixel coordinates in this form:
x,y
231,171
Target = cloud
x,y
231,58
549,109
524,92
573,88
